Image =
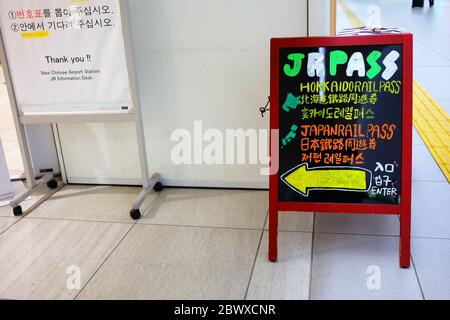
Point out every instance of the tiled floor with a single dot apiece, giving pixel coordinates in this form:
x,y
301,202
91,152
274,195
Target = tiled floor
x,y
172,262
220,253
343,267
195,243
289,278
232,209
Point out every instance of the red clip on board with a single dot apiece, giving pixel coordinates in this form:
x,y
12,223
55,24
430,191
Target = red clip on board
x,y
341,123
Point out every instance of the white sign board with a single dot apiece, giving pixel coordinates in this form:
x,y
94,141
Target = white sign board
x,y
66,55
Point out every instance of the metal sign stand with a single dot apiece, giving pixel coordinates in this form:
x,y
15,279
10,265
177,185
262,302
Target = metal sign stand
x,y
20,120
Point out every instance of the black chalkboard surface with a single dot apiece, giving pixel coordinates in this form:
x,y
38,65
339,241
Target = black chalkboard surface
x,y
340,124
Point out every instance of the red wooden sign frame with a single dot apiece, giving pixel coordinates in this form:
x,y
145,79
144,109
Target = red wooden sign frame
x,y
404,208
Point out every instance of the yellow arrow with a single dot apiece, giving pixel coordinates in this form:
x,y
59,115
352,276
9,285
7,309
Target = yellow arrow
x,y
302,179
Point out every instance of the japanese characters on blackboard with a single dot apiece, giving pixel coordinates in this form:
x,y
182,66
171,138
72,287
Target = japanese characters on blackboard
x,y
340,124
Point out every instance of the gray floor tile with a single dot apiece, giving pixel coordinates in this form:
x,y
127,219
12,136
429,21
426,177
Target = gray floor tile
x,y
5,223
209,208
288,278
431,209
91,203
294,221
344,265
165,262
417,139
425,167
438,43
6,211
432,261
36,256
370,224
431,78
429,25
446,105
425,56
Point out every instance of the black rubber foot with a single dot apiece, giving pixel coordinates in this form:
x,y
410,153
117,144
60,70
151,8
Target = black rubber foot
x,y
17,211
158,187
135,214
52,184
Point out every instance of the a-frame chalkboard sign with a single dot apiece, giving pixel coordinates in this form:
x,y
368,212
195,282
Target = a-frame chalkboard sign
x,y
341,128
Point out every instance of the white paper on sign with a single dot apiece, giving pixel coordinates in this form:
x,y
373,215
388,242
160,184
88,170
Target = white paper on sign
x,y
66,56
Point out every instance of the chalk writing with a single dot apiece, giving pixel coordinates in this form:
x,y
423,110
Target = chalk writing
x,y
340,123
290,136
302,179
356,62
291,102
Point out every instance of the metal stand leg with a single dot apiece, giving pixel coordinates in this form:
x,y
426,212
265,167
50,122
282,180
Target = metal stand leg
x,y
147,183
405,238
15,203
273,234
155,184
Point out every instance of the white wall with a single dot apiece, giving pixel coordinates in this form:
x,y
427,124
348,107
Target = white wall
x,y
196,60
319,17
42,148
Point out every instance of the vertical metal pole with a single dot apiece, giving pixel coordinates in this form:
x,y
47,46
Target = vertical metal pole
x,y
332,17
405,236
20,128
273,232
59,152
407,120
124,11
